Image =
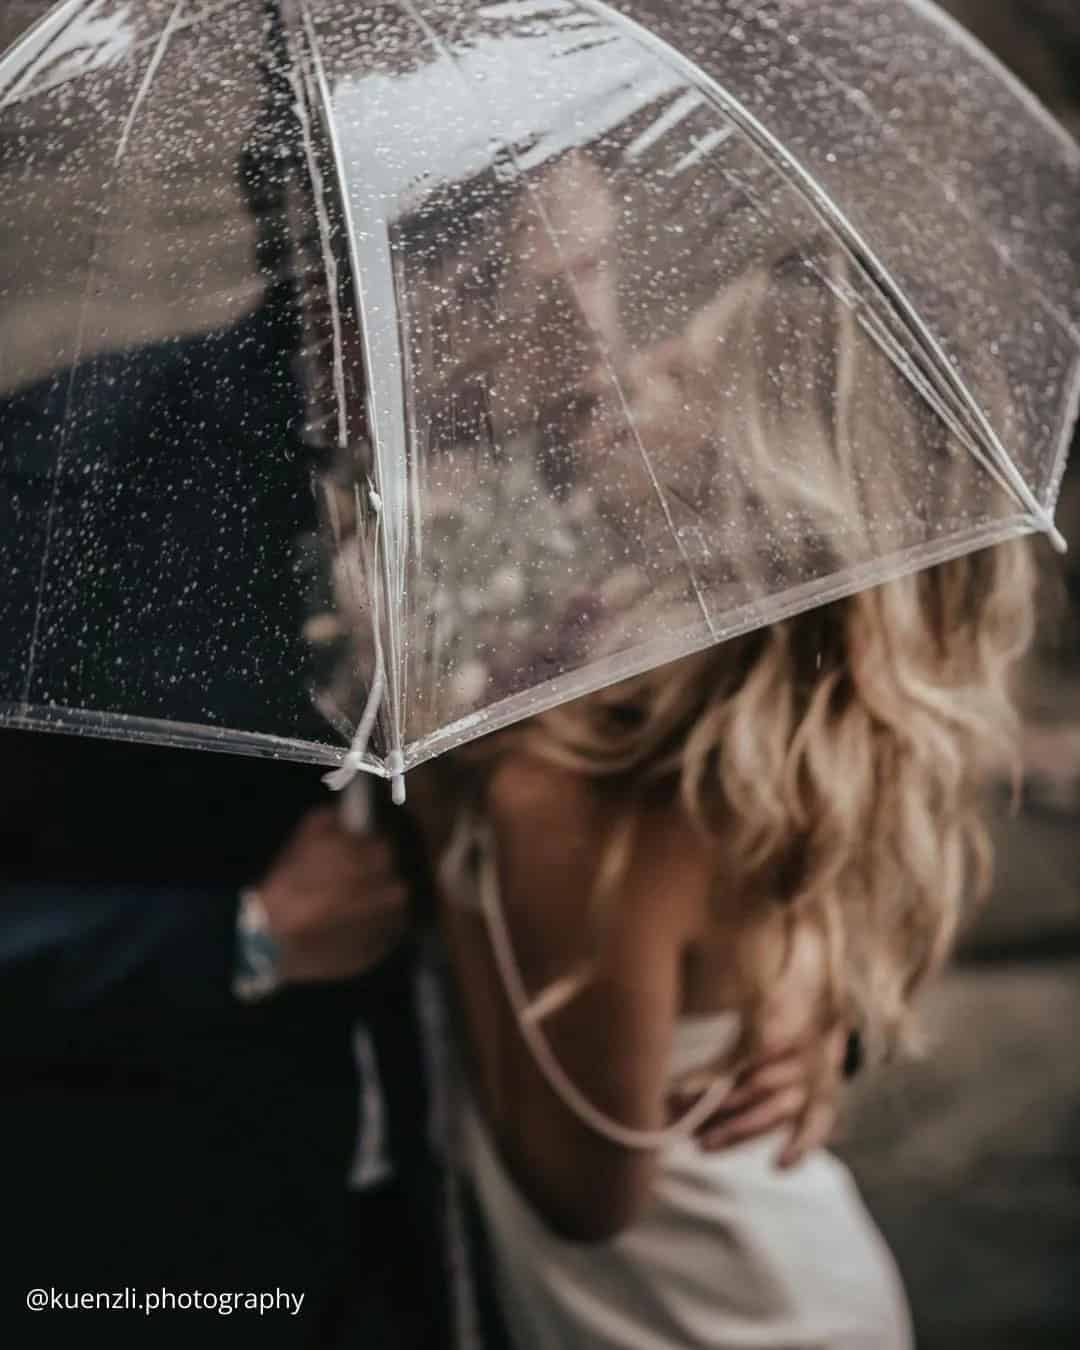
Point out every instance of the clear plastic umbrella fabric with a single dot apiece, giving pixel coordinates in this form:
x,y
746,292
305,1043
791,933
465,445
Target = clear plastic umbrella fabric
x,y
376,375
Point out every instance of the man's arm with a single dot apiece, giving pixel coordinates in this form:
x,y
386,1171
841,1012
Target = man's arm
x,y
146,955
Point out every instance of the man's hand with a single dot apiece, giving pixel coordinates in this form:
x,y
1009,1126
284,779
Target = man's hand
x,y
334,901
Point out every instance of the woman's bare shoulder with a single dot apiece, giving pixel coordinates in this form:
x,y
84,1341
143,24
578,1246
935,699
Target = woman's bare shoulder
x,y
524,788
551,829
678,860
551,809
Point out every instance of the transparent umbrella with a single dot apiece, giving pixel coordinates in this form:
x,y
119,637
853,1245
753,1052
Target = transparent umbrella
x,y
373,376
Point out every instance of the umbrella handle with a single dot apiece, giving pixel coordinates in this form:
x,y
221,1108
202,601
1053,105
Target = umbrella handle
x,y
357,806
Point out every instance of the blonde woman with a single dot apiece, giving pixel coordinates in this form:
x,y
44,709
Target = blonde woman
x,y
637,871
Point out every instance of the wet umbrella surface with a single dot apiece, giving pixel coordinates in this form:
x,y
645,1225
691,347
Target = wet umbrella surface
x,y
624,329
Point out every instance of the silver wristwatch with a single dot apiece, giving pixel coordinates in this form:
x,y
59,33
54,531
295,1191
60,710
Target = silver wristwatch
x,y
257,973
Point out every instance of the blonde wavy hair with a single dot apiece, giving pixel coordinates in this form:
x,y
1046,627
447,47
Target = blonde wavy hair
x,y
835,760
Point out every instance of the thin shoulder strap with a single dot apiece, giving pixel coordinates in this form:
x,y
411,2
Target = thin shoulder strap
x,y
528,1017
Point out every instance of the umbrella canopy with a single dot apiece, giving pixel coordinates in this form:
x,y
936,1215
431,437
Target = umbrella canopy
x,y
601,332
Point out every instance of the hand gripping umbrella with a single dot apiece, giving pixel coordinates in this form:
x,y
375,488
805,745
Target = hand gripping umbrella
x,y
430,364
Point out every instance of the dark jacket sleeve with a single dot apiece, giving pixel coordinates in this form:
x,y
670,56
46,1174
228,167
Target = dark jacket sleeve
x,y
123,948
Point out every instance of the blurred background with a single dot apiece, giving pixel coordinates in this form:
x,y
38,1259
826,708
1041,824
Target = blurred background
x,y
970,1158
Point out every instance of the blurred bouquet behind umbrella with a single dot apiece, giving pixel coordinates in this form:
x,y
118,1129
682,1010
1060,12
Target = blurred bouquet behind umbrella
x,y
511,588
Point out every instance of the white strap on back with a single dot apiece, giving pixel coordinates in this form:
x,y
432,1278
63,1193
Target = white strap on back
x,y
528,1019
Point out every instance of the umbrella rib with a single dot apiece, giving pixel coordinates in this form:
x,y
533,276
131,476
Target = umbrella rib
x,y
18,90
102,725
329,262
356,757
395,757
363,588
148,78
447,55
356,577
837,221
33,44
890,344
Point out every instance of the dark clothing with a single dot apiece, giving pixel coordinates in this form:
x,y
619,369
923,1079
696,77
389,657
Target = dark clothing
x,y
87,812
155,1132
156,539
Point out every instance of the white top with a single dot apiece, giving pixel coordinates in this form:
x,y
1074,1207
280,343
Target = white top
x,y
732,1253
